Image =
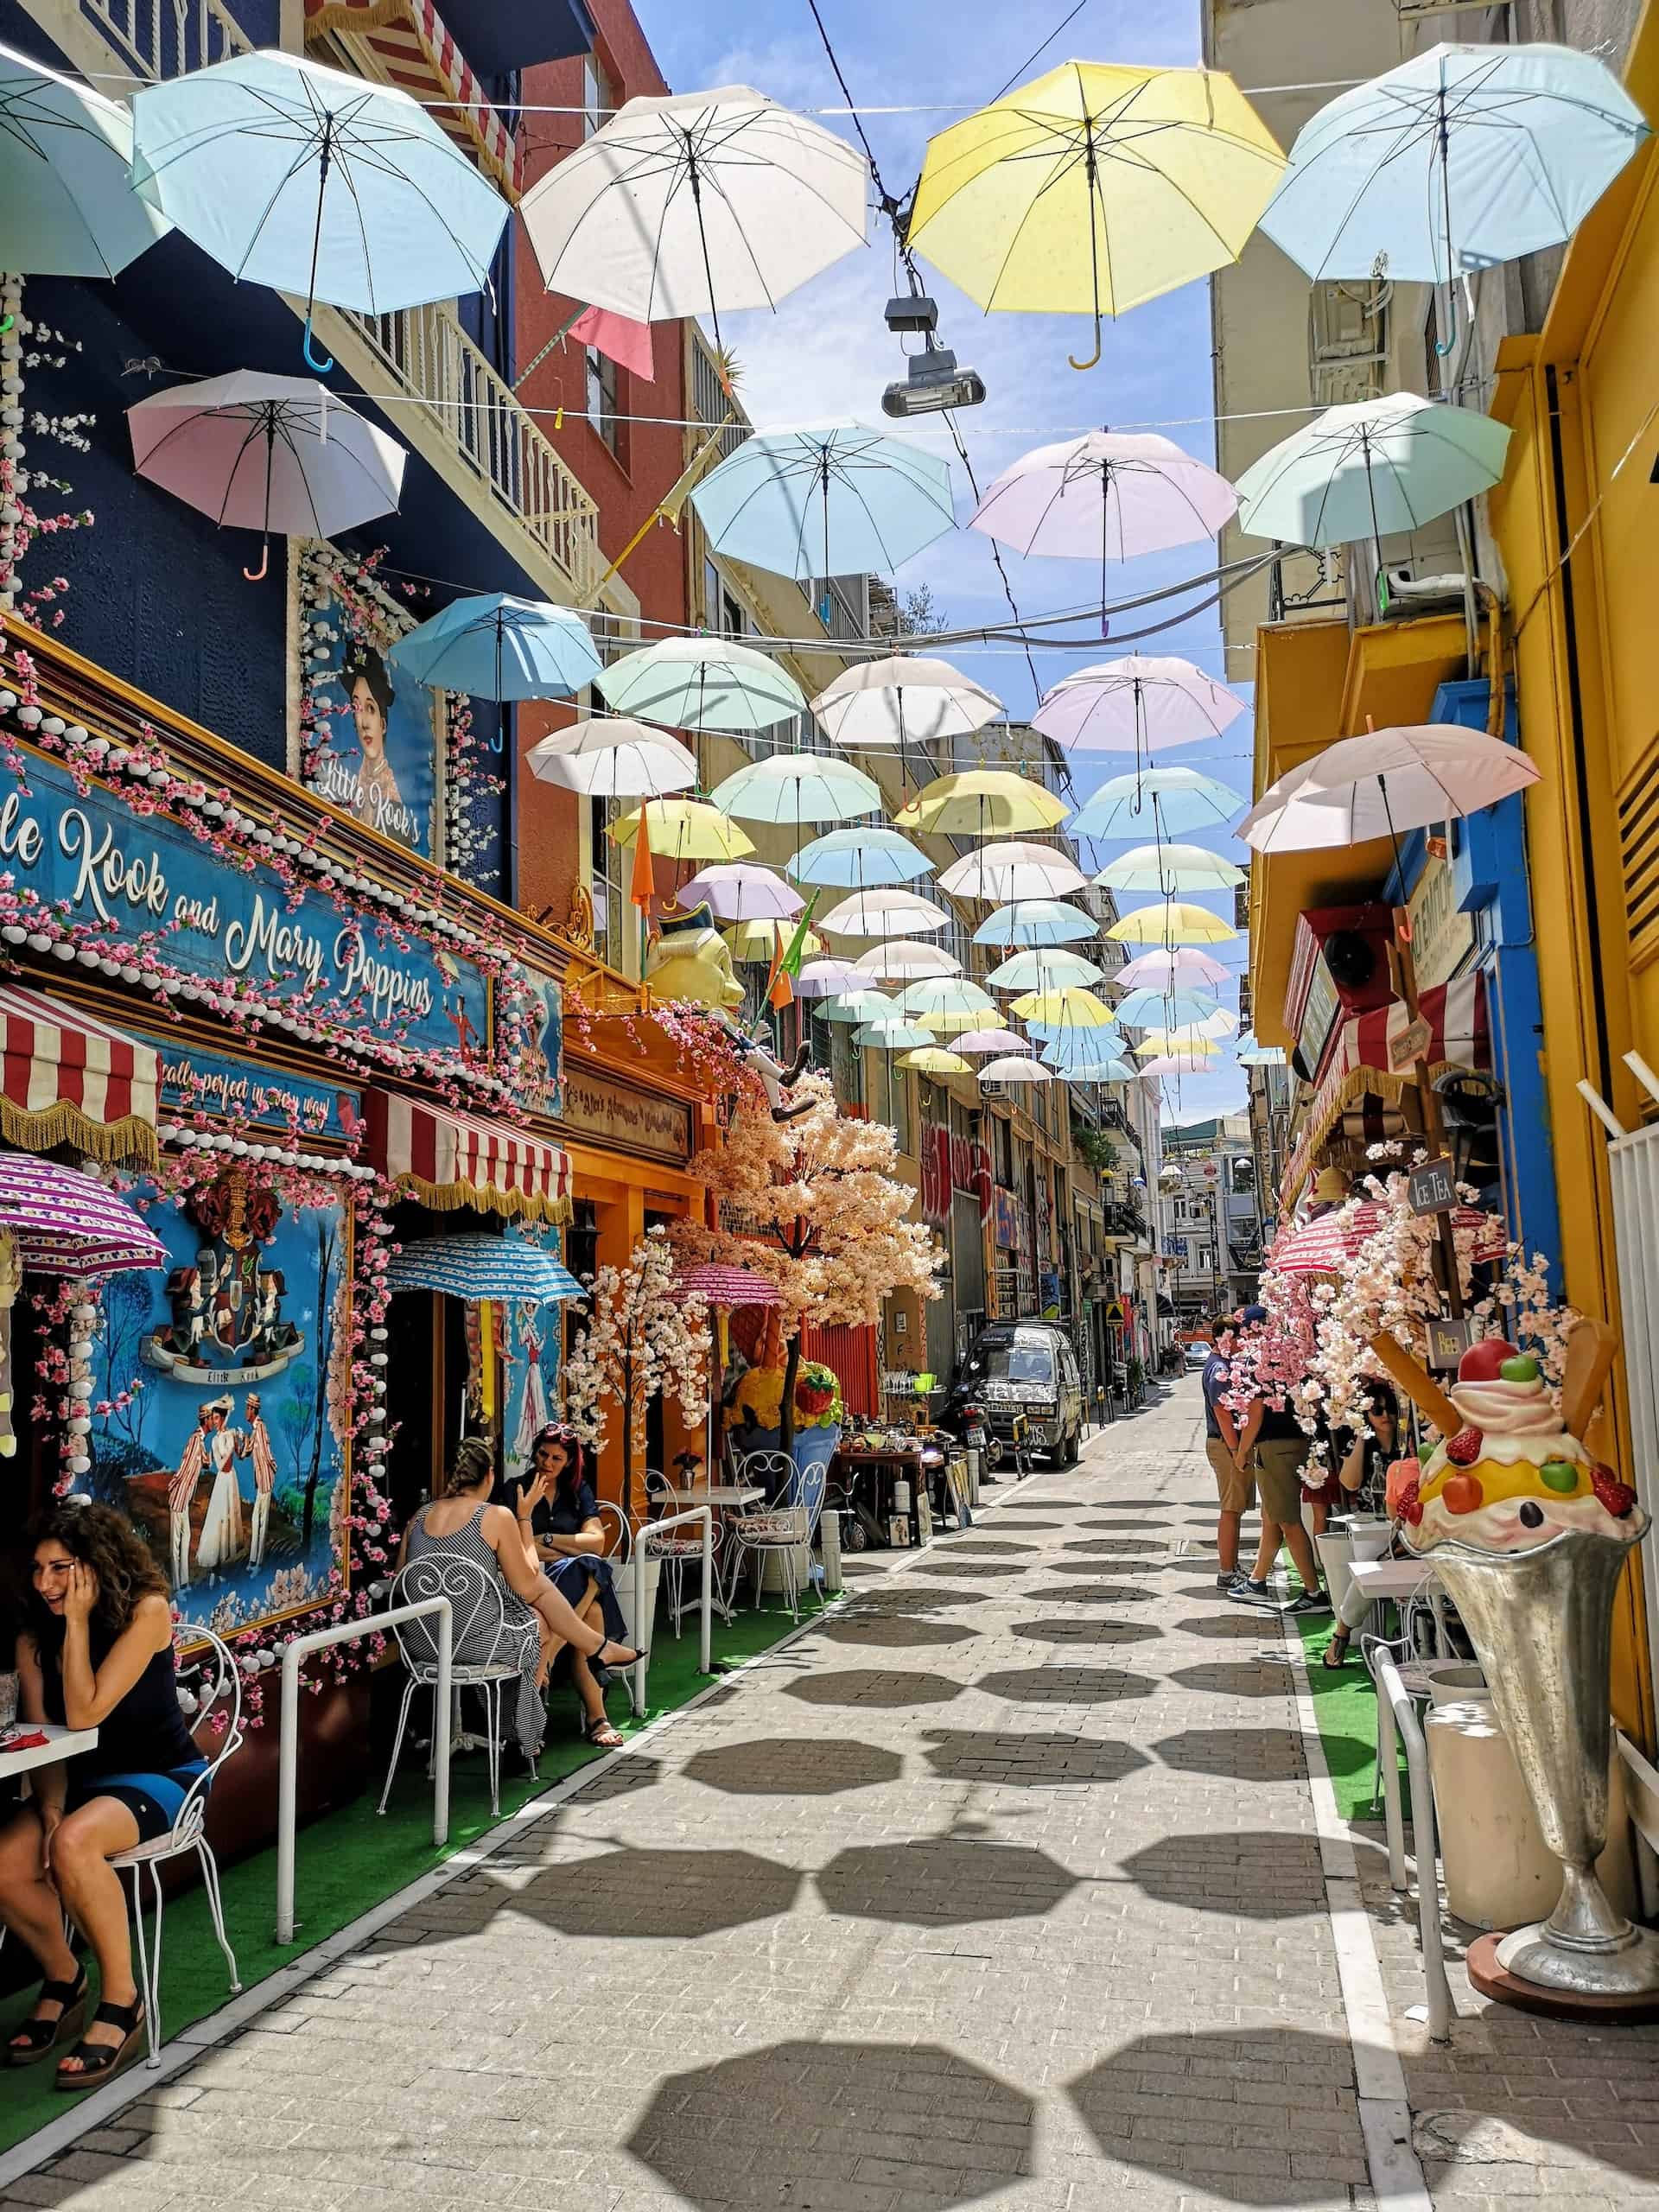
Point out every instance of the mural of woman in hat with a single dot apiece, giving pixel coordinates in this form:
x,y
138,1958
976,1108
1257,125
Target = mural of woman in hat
x,y
223,1540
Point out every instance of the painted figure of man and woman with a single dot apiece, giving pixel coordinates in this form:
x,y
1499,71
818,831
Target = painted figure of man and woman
x,y
214,1448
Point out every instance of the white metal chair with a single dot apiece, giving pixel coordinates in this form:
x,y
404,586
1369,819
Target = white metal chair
x,y
479,1622
677,1548
220,1692
619,1537
782,1531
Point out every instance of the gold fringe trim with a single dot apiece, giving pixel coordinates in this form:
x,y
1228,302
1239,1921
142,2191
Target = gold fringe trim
x,y
131,1142
359,15
450,1197
1358,1082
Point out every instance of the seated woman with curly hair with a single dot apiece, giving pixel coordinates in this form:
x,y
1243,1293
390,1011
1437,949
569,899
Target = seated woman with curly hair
x,y
97,1652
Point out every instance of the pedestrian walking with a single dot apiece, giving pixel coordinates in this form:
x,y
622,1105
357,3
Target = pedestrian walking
x,y
1273,1443
1235,1487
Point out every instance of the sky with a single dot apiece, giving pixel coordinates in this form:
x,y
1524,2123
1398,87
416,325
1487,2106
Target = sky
x,y
826,352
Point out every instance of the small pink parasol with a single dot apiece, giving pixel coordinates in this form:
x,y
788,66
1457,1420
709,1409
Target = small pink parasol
x,y
65,1223
726,1287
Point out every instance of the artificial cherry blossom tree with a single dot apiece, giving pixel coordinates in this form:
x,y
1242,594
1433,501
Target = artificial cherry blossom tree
x,y
643,1338
812,1203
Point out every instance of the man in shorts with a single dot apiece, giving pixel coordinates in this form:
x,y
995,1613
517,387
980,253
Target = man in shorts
x,y
1234,1484
1273,1441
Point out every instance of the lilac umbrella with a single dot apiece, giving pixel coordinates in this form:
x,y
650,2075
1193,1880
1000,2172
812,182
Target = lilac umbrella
x,y
826,979
1177,1064
991,1040
65,1223
734,892
1182,964
1139,704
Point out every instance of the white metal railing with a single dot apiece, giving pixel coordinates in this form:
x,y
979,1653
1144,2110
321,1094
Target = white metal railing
x,y
165,38
287,1748
641,1626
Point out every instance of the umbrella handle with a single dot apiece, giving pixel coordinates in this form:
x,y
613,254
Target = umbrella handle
x,y
322,366
1094,358
258,575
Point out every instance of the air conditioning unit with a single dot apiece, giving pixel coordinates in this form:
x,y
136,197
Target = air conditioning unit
x,y
1401,597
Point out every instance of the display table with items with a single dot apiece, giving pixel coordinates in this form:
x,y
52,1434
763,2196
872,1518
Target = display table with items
x,y
885,1487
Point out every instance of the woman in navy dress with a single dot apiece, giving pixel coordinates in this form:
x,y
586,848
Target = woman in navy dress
x,y
558,1518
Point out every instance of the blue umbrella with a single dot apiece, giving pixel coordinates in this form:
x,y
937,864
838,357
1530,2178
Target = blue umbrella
x,y
68,207
1037,921
1463,157
479,1267
829,500
497,647
860,859
1168,800
1153,1009
315,183
1078,1055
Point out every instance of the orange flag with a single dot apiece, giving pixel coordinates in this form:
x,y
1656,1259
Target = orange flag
x,y
780,990
642,886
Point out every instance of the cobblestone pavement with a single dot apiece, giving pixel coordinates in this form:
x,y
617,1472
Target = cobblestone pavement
x,y
1003,1886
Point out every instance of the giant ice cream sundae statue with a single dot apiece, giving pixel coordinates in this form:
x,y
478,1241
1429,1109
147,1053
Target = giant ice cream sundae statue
x,y
1528,1534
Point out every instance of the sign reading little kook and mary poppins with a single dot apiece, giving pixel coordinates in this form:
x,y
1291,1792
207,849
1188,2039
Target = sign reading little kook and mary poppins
x,y
138,876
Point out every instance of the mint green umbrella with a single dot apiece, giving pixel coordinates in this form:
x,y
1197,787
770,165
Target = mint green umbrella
x,y
1169,869
862,1005
797,787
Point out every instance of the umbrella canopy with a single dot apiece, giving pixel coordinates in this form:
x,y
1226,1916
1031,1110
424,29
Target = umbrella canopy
x,y
907,699
1175,1064
1370,469
1048,969
826,499
1187,1043
1153,1009
1037,922
1157,971
982,803
703,683
1167,801
610,757
1219,1022
317,183
1259,1056
726,1287
886,911
825,979
893,1035
991,1040
1170,867
765,940
1139,704
682,829
1327,1246
861,858
494,646
735,893
1463,157
268,453
1022,1067
796,787
1067,1008
1094,188
480,1266
67,1222
901,960
68,207
1382,783
1168,922
1003,872
949,1005
1107,495
1087,1056
696,204
933,1059
862,1006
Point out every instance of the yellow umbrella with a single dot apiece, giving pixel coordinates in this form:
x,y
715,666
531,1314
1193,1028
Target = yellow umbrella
x,y
932,1060
980,803
684,830
1072,1008
1094,188
1189,1043
760,940
1170,921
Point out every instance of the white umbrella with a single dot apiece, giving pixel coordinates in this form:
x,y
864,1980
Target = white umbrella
x,y
1138,704
855,1005
1219,1024
610,757
703,683
826,979
1106,495
734,891
1382,783
796,787
695,204
1182,964
895,1035
999,874
907,699
886,911
902,959
1024,1068
1048,967
989,1041
1170,867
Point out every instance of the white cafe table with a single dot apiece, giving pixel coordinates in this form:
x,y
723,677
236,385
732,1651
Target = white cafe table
x,y
1402,1579
725,1494
65,1744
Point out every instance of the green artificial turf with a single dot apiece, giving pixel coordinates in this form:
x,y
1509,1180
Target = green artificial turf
x,y
1344,1705
349,1860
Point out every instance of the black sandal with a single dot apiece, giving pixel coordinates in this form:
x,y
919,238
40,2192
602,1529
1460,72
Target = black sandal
x,y
1336,1652
595,1732
99,2061
45,2036
623,1665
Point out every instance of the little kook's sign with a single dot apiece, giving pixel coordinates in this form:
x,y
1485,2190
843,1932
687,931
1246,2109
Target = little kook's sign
x,y
142,875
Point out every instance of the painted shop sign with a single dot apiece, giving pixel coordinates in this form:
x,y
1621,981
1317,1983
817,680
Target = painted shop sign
x,y
377,734
142,875
264,1098
628,1120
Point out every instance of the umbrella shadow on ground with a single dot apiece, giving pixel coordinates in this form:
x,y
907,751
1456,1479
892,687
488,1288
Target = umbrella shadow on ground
x,y
1076,1631
1253,1873
625,1779
1267,1676
985,1547
847,2122
1104,1547
1067,1685
1025,1759
975,1570
1202,1590
1082,1594
1235,1626
871,1686
1226,2114
1236,1754
943,1881
894,1632
794,1766
1029,1504
621,1894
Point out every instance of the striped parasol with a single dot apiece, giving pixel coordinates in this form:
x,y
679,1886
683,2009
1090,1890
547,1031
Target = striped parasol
x,y
477,1267
65,1222
727,1286
1327,1246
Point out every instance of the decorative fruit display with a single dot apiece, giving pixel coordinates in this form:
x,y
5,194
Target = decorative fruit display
x,y
1464,1448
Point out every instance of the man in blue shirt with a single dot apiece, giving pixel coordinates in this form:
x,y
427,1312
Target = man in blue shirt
x,y
1234,1483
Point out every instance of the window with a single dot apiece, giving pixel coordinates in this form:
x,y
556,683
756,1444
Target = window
x,y
610,888
604,400
599,99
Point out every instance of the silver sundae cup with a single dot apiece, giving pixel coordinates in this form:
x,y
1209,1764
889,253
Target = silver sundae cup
x,y
1541,1622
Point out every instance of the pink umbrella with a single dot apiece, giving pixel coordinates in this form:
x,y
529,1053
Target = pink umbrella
x,y
1325,1247
619,337
1106,494
827,979
727,1286
65,1222
1382,783
1178,1063
735,891
1184,965
1139,704
991,1040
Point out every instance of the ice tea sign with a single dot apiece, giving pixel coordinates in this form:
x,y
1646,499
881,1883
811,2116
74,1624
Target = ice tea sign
x,y
1430,1188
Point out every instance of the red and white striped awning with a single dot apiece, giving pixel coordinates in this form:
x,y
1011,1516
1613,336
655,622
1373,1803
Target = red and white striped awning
x,y
448,1160
1459,1037
68,1078
1327,1246
408,44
